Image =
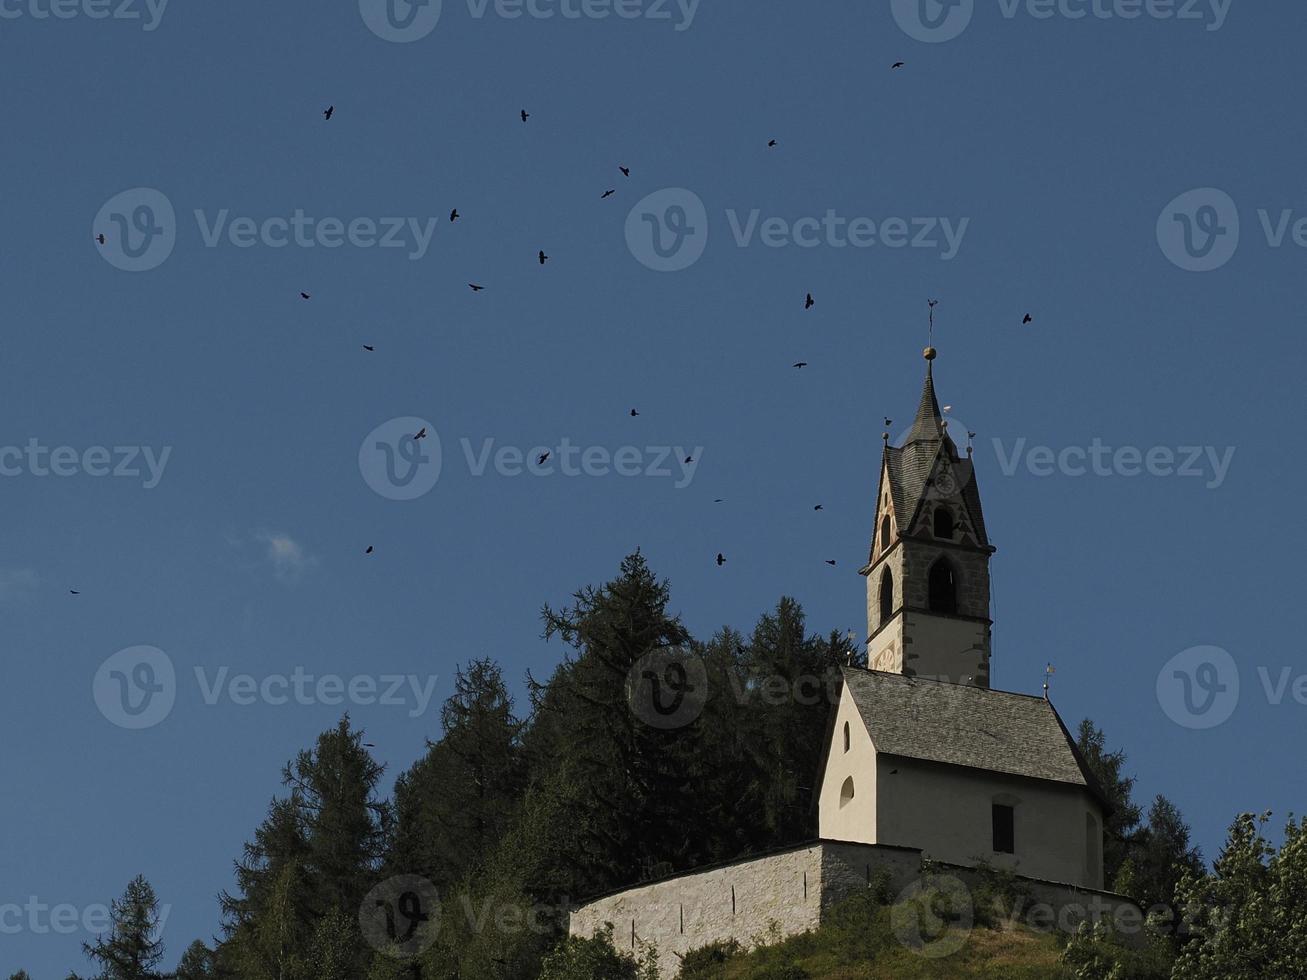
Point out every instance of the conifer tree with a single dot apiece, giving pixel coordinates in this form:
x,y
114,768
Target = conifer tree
x,y
132,949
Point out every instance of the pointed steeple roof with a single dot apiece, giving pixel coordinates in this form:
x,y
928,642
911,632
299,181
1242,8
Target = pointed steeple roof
x,y
927,423
909,466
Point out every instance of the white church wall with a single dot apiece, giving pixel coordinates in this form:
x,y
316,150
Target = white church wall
x,y
946,811
855,819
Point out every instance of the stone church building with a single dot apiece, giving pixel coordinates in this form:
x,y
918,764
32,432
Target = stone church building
x,y
924,759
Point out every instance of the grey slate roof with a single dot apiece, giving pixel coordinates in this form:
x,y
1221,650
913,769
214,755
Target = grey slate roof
x,y
960,725
910,465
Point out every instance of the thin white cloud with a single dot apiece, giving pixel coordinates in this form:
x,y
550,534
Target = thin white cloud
x,y
17,584
287,556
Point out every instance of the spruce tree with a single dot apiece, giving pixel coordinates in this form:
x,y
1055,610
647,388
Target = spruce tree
x,y
132,949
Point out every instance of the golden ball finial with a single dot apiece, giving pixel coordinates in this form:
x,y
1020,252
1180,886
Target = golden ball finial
x,y
929,353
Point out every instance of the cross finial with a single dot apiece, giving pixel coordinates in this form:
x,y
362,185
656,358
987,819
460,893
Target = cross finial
x,y
930,330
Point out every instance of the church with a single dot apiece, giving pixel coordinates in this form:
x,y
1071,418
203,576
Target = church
x,y
924,752
924,760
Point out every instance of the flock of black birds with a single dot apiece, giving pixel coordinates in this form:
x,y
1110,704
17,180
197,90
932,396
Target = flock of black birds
x,y
808,303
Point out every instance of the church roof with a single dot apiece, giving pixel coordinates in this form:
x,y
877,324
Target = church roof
x,y
961,725
909,466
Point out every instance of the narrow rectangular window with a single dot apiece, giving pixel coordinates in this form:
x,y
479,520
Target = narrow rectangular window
x,y
1004,829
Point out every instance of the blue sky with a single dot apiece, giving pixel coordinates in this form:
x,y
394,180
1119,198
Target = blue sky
x,y
1053,144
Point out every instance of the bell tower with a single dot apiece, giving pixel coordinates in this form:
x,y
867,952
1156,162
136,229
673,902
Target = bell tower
x,y
928,571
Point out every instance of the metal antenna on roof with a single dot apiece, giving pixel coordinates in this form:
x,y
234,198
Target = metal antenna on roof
x,y
1049,671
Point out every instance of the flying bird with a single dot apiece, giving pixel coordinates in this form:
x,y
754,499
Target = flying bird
x,y
771,142
100,238
897,64
689,460
369,551
369,348
73,592
800,364
1028,319
525,115
830,562
948,408
540,460
421,435
329,112
888,422
719,500
475,288
721,559
304,296
607,194
453,215
634,413
819,507
543,257
626,171
809,303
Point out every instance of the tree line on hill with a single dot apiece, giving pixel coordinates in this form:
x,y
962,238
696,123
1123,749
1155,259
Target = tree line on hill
x,y
511,816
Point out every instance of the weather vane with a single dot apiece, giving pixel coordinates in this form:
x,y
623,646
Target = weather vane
x,y
1049,671
930,332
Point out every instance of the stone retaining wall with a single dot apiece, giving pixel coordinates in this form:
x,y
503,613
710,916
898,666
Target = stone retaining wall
x,y
768,898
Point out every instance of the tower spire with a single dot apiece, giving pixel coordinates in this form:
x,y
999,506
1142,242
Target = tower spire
x,y
928,423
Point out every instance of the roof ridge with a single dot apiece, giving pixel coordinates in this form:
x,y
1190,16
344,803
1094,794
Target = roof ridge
x,y
948,683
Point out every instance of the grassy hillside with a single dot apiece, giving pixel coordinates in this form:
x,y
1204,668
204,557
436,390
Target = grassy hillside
x,y
860,941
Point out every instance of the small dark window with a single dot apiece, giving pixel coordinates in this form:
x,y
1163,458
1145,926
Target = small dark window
x,y
886,595
943,523
846,792
846,736
943,588
1004,829
884,532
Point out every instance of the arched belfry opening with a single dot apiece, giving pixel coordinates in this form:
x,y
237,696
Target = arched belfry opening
x,y
944,523
886,596
942,587
884,532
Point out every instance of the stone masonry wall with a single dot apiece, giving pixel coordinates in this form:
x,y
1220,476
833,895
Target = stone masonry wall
x,y
769,898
